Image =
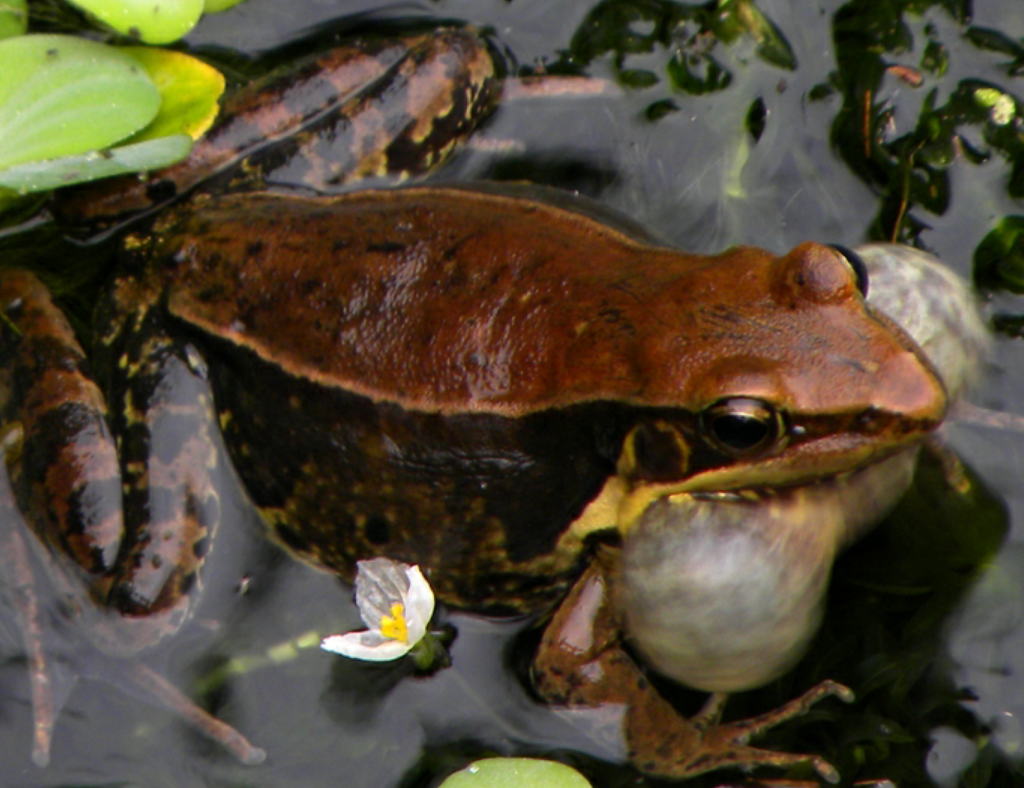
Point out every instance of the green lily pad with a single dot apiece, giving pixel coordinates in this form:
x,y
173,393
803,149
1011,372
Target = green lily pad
x,y
13,18
152,21
516,773
189,91
67,170
63,96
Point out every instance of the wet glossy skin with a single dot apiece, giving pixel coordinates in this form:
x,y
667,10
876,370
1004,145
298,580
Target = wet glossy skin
x,y
535,351
479,383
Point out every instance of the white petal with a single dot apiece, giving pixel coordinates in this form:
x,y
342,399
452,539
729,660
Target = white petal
x,y
367,645
419,604
380,582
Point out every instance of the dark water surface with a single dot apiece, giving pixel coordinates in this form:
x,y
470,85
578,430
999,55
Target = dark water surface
x,y
727,135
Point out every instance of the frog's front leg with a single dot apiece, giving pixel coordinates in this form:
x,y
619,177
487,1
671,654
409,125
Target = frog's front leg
x,y
122,529
581,662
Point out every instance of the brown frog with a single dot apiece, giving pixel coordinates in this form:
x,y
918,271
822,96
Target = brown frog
x,y
532,404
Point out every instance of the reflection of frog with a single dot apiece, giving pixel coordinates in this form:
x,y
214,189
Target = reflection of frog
x,y
499,389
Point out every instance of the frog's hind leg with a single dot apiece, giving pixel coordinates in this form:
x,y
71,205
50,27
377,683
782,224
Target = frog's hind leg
x,y
125,581
51,682
58,447
171,461
60,464
581,662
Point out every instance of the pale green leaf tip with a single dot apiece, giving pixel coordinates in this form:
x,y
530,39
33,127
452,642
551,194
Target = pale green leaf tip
x,y
152,21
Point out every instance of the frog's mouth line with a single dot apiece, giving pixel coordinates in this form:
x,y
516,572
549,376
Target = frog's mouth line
x,y
764,492
866,488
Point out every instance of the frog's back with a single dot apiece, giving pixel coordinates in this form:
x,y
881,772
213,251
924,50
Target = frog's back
x,y
452,301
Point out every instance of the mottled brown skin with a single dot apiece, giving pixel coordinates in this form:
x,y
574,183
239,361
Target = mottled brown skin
x,y
140,549
541,339
479,383
373,108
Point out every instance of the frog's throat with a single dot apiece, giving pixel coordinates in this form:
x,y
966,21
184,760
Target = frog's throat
x,y
724,593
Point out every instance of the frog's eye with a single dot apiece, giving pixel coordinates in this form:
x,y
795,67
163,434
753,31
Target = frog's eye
x,y
741,425
859,269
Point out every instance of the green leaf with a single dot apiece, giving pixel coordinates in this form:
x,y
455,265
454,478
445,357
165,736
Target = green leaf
x,y
516,773
189,91
62,96
67,170
13,18
152,21
999,258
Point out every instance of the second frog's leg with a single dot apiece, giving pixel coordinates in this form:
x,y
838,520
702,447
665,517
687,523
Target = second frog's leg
x,y
581,662
376,107
403,124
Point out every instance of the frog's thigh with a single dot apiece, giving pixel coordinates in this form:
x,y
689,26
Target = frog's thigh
x,y
166,426
64,470
581,662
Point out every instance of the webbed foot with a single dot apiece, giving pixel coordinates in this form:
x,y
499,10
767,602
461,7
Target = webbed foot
x,y
666,744
581,662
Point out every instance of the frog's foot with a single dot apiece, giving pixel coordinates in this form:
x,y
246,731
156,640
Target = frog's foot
x,y
581,662
49,686
663,743
546,86
165,694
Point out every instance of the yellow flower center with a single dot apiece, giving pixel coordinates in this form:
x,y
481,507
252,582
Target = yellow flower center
x,y
394,626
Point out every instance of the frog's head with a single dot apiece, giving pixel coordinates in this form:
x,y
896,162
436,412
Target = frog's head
x,y
786,377
805,414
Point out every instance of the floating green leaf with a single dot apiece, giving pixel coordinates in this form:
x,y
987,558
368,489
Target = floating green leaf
x,y
13,18
62,96
152,21
189,90
516,773
67,170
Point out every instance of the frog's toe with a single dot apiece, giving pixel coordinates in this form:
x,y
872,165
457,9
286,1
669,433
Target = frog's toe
x,y
155,687
51,679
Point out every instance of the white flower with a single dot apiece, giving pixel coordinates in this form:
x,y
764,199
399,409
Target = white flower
x,y
395,602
